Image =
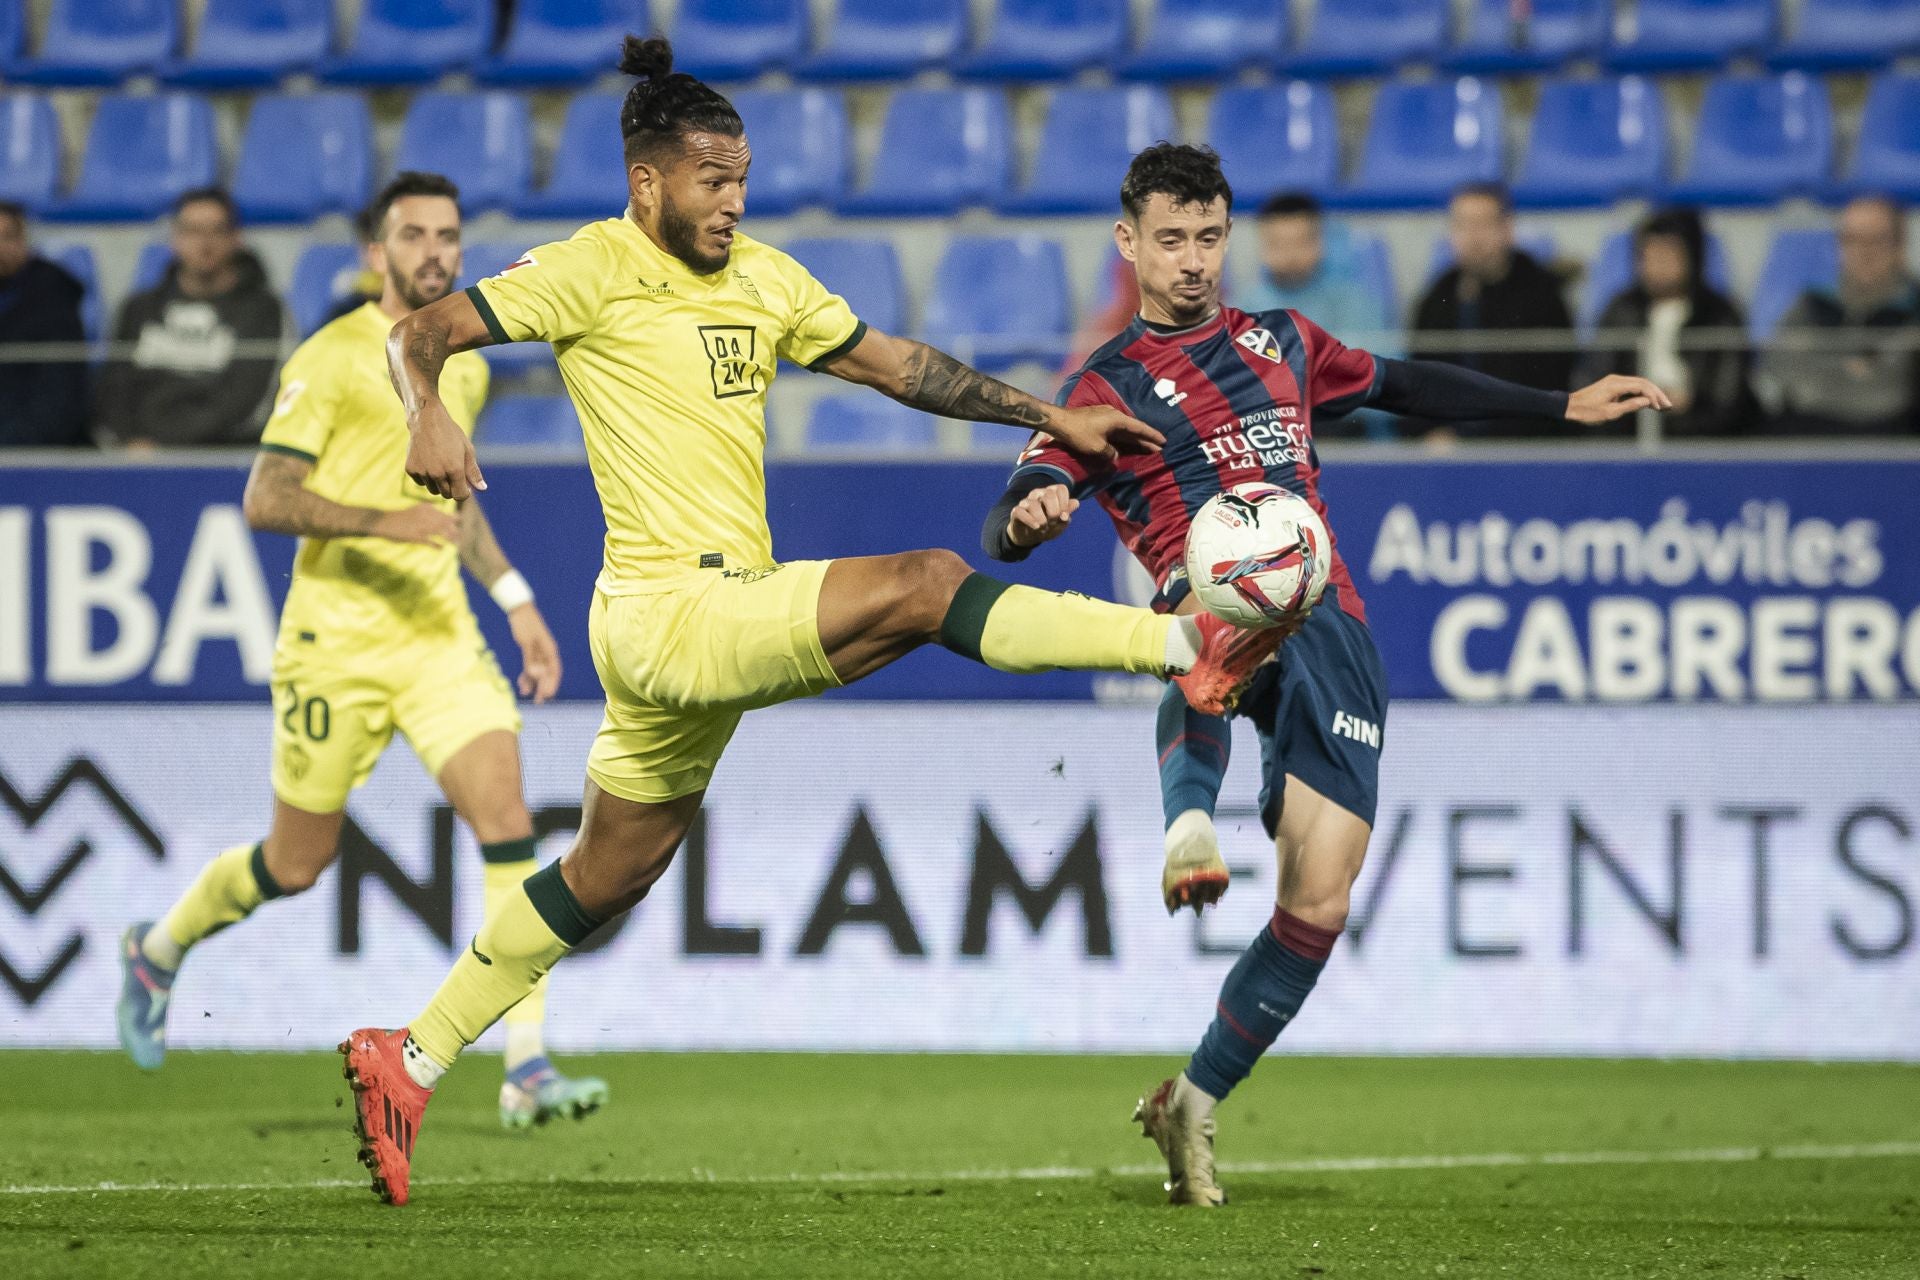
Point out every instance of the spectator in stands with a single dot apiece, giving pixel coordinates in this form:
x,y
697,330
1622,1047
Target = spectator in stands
x,y
42,402
1684,326
1844,360
182,383
1492,286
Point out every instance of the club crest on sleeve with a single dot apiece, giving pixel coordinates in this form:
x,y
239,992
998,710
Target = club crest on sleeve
x,y
1261,343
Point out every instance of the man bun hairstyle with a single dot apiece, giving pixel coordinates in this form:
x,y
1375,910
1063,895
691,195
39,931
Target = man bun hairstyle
x,y
1183,173
664,105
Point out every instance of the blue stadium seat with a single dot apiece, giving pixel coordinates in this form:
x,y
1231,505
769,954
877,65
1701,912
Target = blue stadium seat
x,y
1375,261
1612,270
481,259
13,35
254,42
941,150
141,153
1594,142
547,421
1759,139
1555,33
90,42
304,155
1682,35
1367,37
1796,262
1849,35
1887,158
322,277
78,261
738,39
864,272
414,41
1539,245
862,422
799,140
150,268
1425,139
1048,40
483,141
999,300
888,39
557,42
589,175
1088,139
1202,39
1274,138
29,150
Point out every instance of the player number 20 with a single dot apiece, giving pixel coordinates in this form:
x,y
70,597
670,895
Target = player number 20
x,y
314,715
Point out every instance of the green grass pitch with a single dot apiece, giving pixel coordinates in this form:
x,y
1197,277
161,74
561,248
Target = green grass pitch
x,y
839,1166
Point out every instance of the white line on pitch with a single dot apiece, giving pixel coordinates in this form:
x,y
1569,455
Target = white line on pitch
x,y
1054,1173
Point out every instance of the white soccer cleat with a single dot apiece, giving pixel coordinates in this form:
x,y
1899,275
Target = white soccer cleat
x,y
1179,1118
1195,875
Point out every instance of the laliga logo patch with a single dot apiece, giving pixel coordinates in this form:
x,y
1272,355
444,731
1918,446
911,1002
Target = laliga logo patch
x,y
1261,343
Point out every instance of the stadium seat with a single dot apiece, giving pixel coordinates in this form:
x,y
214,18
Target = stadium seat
x,y
1759,139
548,421
1796,262
862,422
1424,140
483,141
13,36
1368,37
864,272
254,42
738,39
1088,139
799,139
1887,157
1612,270
1000,300
1683,35
1274,138
29,150
1375,262
78,261
1849,35
414,41
1202,39
1539,245
888,39
304,155
1594,142
589,175
941,150
322,277
1556,32
1048,40
90,42
141,153
150,268
481,259
560,42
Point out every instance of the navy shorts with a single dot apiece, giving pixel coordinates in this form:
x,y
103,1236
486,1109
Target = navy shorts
x,y
1321,711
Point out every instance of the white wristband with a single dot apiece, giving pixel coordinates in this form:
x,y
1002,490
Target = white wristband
x,y
511,591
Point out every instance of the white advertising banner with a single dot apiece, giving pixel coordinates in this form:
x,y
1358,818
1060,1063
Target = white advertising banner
x,y
1659,880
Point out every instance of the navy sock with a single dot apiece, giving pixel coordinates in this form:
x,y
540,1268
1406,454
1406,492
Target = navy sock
x,y
1193,755
1267,986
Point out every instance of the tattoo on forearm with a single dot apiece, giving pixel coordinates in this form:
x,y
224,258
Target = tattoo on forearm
x,y
936,382
279,502
415,358
480,553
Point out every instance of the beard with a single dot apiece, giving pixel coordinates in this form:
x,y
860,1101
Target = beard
x,y
681,237
415,294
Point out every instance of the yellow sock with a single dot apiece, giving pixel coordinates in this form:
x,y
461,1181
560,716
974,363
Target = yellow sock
x,y
507,866
226,891
1026,630
507,959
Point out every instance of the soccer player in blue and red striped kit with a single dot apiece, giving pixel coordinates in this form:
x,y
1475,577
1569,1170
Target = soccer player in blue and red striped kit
x,y
1236,396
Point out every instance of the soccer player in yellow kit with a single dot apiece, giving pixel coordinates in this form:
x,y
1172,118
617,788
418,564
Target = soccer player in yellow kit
x,y
668,323
376,635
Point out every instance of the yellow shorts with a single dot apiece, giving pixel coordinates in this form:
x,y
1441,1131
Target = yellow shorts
x,y
680,666
331,724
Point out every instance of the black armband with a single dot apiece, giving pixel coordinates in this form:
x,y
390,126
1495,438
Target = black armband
x,y
993,534
1443,392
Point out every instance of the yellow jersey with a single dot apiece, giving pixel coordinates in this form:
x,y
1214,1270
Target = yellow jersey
x,y
337,409
669,372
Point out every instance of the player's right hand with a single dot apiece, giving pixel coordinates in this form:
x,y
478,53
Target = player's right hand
x,y
440,459
1042,516
421,522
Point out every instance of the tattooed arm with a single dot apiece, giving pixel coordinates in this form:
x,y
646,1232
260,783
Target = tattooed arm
x,y
918,375
480,553
278,501
441,455
481,556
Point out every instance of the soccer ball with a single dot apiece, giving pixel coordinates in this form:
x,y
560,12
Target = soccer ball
x,y
1258,555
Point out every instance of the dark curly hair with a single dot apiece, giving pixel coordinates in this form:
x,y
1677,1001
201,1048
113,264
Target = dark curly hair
x,y
663,105
1183,173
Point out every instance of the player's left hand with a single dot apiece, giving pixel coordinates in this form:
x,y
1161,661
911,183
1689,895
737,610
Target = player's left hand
x,y
1614,396
1102,431
539,655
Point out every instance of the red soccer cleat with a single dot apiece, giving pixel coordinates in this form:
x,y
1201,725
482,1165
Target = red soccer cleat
x,y
1229,657
388,1107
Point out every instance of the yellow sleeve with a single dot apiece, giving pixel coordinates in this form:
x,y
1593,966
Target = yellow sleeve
x,y
552,294
821,326
475,381
306,406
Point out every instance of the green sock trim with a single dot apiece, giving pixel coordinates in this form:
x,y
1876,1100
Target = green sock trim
x,y
558,907
966,619
509,850
269,888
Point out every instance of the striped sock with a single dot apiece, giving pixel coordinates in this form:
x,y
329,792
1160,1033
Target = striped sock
x,y
1268,984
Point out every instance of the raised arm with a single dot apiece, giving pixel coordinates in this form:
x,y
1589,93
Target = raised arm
x,y
482,556
278,501
441,456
